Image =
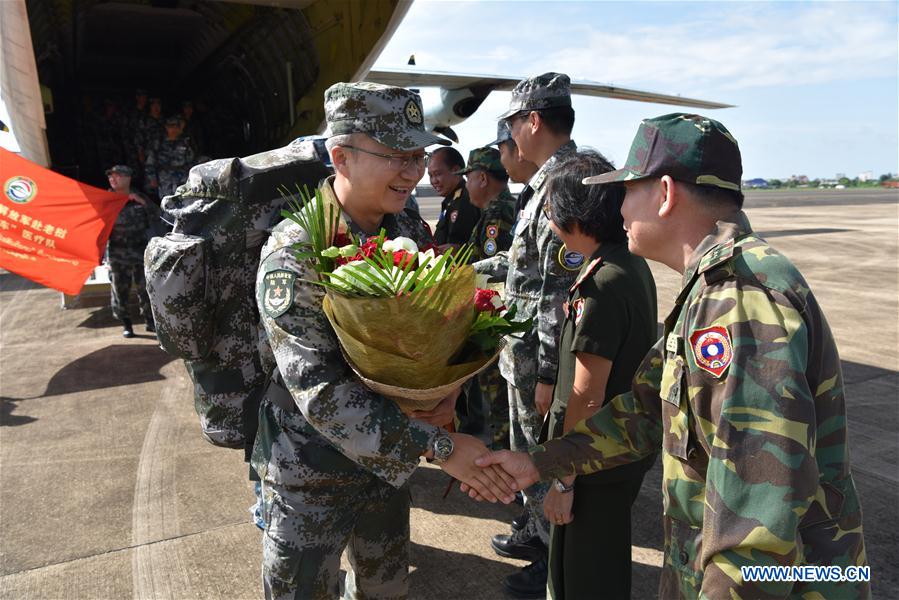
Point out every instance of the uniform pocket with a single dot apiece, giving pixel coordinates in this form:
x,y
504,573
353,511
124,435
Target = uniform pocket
x,y
675,418
177,272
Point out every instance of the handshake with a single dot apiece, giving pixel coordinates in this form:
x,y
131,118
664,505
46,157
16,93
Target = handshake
x,y
483,475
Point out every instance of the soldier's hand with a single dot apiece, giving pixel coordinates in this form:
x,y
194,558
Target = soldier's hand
x,y
543,396
517,465
557,507
442,414
491,483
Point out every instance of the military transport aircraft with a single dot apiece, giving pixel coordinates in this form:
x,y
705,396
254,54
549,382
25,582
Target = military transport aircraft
x,y
256,69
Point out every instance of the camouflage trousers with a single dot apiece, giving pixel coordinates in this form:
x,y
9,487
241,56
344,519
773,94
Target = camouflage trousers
x,y
525,425
121,276
318,503
494,390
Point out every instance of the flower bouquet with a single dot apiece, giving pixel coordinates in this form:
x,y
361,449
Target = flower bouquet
x,y
411,323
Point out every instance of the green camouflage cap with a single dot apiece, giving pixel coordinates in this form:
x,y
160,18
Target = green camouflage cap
x,y
483,159
503,133
689,148
543,91
393,116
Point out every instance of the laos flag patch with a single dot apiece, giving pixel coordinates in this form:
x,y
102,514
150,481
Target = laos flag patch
x,y
712,349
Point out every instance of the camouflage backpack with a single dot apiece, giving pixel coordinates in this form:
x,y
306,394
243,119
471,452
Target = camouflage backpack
x,y
201,279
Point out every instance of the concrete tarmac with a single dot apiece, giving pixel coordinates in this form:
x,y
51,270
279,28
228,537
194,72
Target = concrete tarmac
x,y
107,489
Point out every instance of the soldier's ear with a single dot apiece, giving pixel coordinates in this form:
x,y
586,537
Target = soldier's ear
x,y
339,158
667,195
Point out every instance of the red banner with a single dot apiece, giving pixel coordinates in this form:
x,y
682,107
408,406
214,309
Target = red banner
x,y
53,229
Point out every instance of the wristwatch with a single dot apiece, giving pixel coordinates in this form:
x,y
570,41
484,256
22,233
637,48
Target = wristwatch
x,y
561,487
443,448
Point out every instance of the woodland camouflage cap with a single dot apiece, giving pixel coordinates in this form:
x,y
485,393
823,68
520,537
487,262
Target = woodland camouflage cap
x,y
393,116
689,148
483,159
543,91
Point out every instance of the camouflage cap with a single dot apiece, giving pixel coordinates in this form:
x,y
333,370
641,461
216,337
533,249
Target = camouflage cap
x,y
483,159
393,116
543,91
120,169
503,133
686,147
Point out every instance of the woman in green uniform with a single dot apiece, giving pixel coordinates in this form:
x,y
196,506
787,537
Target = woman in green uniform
x,y
610,324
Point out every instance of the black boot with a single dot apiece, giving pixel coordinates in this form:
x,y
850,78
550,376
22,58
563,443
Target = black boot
x,y
521,545
127,329
519,522
151,326
530,582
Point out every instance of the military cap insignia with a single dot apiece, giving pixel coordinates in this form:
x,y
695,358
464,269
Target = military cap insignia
x,y
412,112
490,247
492,231
712,349
277,294
570,261
578,306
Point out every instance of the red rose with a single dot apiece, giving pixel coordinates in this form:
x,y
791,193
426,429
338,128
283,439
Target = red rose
x,y
341,240
401,258
484,301
369,247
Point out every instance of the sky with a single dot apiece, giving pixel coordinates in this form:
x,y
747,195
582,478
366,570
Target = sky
x,y
814,83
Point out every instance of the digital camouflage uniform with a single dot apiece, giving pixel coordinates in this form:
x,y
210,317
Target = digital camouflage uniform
x,y
335,458
125,252
538,271
169,163
493,234
743,394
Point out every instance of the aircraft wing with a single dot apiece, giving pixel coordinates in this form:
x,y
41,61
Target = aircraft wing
x,y
455,81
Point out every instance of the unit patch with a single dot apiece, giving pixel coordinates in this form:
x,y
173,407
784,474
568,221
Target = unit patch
x,y
277,295
712,349
570,261
413,113
492,231
453,216
490,247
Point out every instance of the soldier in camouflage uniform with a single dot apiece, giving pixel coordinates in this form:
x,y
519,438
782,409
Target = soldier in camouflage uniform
x,y
488,190
335,457
170,161
150,129
125,249
538,271
743,393
131,138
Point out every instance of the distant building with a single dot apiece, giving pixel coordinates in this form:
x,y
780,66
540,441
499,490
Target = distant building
x,y
799,179
866,176
840,176
757,183
829,183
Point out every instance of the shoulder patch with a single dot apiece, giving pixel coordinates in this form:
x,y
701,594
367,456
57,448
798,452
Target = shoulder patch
x,y
453,216
570,261
712,349
492,231
490,247
277,292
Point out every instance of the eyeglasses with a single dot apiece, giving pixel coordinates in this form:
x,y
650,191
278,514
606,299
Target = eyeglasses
x,y
397,163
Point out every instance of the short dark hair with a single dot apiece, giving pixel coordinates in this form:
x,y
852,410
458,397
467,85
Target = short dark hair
x,y
559,119
500,176
595,209
451,157
714,197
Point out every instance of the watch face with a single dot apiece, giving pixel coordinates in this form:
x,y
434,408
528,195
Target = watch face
x,y
443,447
